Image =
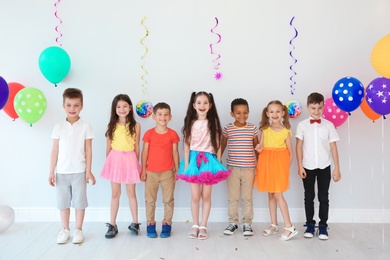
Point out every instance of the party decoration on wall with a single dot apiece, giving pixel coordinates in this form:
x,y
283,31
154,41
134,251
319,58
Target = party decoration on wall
x,y
59,23
348,93
218,74
4,92
368,111
9,109
294,108
378,95
54,63
380,56
293,82
144,108
30,105
144,81
7,217
333,113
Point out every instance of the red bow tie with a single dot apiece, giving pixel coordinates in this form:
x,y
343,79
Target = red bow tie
x,y
312,121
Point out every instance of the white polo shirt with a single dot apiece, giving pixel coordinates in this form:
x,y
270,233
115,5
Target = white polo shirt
x,y
71,148
316,143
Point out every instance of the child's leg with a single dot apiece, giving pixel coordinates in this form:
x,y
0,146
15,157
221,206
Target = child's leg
x,y
323,182
272,208
65,214
284,210
115,195
130,190
168,187
80,213
151,189
308,184
206,203
195,198
247,179
233,190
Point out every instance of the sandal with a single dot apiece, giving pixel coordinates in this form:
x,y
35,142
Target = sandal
x,y
293,231
268,232
203,235
193,234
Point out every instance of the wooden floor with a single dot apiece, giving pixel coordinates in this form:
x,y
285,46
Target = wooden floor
x,y
347,241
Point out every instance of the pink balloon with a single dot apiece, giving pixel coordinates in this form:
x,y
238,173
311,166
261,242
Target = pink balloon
x,y
333,113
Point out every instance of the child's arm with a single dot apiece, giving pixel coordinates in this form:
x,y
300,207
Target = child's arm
x,y
176,159
219,152
298,150
137,138
335,155
259,146
53,162
88,160
223,143
186,154
255,144
108,145
289,146
144,160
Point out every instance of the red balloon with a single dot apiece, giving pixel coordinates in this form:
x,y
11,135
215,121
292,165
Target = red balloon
x,y
14,88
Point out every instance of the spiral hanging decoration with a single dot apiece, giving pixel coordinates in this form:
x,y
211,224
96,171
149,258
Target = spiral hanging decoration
x,y
293,82
59,23
218,75
144,81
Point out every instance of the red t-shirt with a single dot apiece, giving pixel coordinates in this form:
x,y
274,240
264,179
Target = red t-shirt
x,y
160,156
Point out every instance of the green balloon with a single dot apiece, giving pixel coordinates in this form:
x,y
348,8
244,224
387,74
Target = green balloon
x,y
30,104
54,63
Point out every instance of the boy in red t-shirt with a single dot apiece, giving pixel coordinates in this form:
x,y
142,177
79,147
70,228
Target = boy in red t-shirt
x,y
160,162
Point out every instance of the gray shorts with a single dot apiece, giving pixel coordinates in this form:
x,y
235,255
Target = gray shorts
x,y
71,191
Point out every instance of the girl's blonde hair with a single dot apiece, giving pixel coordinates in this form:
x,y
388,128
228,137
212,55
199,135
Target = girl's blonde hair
x,y
264,123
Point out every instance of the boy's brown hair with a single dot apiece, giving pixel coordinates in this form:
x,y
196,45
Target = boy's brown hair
x,y
161,105
72,93
315,98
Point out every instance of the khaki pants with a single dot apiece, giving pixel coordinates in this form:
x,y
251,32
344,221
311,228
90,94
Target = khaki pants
x,y
239,182
167,181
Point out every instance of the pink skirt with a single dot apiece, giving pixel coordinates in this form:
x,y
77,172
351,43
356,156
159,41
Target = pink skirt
x,y
121,167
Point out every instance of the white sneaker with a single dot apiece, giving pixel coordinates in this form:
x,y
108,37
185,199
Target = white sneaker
x,y
63,236
78,236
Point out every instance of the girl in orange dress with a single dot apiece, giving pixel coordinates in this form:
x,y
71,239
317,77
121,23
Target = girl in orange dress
x,y
273,165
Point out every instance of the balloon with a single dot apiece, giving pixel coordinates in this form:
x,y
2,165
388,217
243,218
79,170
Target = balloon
x,y
348,93
294,108
30,104
144,108
7,217
367,110
9,106
380,56
4,92
54,64
378,95
333,113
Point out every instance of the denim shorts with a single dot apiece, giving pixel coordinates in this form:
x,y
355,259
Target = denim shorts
x,y
71,191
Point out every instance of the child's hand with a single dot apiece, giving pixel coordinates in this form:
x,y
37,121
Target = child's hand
x,y
302,173
143,176
258,148
336,175
52,179
90,177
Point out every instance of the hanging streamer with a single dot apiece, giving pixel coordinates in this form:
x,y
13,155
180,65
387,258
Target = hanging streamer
x,y
144,81
218,75
293,82
59,23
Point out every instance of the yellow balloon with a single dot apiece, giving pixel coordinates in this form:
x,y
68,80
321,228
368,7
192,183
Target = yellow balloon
x,y
380,56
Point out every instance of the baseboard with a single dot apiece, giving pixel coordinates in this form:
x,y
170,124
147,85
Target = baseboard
x,y
216,215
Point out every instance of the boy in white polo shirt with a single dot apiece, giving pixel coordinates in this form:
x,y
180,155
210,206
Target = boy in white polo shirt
x,y
316,146
70,164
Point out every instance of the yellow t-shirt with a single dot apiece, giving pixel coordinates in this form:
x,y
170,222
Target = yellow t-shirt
x,y
275,139
122,140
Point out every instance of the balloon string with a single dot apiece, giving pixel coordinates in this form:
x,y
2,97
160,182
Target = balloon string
x,y
383,182
60,22
144,81
293,82
215,61
350,171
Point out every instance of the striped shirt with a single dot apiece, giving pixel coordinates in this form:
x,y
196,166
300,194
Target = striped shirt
x,y
240,145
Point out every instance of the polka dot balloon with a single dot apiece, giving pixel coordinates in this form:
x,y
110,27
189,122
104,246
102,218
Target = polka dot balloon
x,y
30,105
333,113
348,93
144,108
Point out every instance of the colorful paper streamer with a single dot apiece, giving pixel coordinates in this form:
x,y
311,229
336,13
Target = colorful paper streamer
x,y
293,82
144,81
59,23
218,75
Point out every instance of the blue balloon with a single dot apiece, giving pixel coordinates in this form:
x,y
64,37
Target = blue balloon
x,y
4,92
348,93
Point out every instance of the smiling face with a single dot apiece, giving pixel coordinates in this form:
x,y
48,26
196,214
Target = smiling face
x,y
240,114
275,113
202,106
72,107
122,109
162,116
316,110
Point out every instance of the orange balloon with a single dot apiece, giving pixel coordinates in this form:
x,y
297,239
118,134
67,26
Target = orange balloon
x,y
14,88
380,56
367,109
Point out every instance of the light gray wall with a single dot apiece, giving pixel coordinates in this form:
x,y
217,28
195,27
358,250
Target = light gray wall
x,y
103,40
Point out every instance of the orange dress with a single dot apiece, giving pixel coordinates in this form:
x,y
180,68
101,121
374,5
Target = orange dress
x,y
273,164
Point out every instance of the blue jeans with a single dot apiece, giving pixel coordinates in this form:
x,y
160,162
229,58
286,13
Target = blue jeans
x,y
323,177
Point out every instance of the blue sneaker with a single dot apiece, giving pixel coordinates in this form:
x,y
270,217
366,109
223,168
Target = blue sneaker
x,y
151,230
166,230
323,232
309,233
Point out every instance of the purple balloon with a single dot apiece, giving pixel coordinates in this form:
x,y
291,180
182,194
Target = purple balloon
x,y
4,92
378,95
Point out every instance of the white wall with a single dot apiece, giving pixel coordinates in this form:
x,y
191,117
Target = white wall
x,y
103,40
